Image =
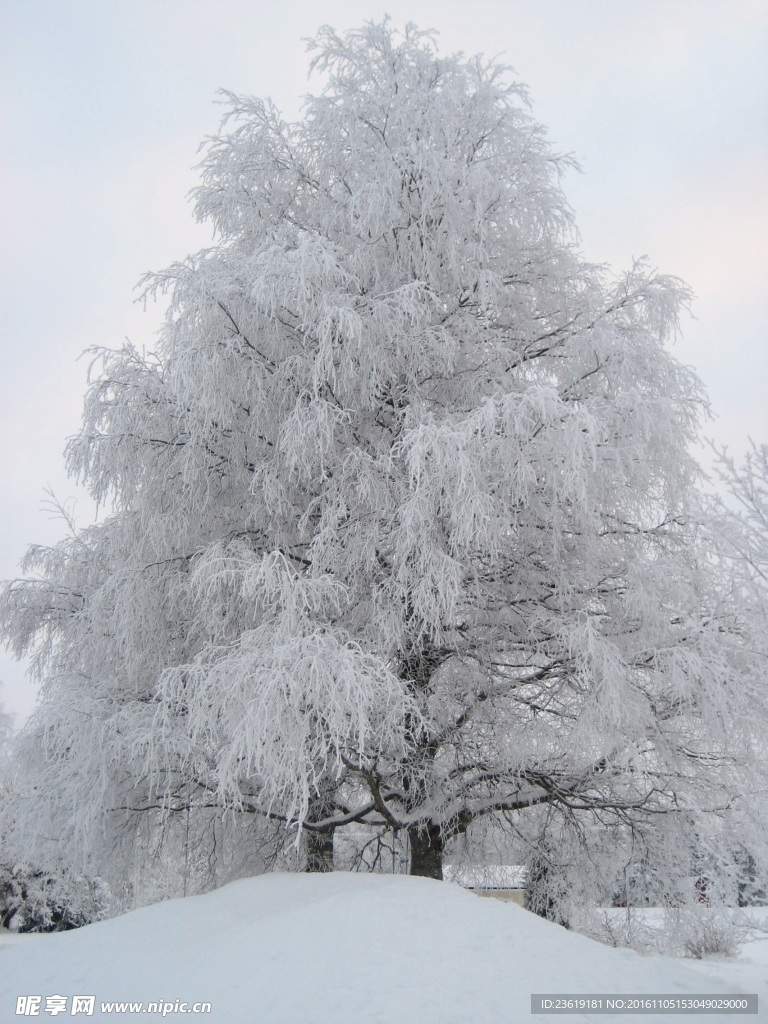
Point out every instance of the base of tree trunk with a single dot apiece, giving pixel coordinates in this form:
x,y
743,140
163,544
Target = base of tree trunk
x,y
319,852
427,847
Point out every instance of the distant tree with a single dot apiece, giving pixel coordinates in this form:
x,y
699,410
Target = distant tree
x,y
546,888
400,531
737,524
32,900
6,731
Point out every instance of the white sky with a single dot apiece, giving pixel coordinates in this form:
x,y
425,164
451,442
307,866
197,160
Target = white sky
x,y
104,103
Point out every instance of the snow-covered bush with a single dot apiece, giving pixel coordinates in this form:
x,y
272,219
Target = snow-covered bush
x,y
698,931
627,927
39,901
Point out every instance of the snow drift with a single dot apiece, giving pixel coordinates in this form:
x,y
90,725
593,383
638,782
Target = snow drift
x,y
335,949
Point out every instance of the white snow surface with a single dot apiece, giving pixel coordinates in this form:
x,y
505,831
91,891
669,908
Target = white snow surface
x,y
345,949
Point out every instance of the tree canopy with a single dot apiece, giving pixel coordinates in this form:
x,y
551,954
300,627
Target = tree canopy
x,y
401,528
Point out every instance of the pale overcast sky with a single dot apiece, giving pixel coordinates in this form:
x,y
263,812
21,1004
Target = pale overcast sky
x,y
104,102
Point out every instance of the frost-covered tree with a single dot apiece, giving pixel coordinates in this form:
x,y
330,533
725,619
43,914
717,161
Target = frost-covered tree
x,y
399,532
737,525
33,899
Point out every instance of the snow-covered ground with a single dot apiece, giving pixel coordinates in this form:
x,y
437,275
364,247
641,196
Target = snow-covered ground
x,y
348,949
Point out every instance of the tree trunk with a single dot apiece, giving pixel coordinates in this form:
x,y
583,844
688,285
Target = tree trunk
x,y
319,845
544,892
426,840
427,846
319,851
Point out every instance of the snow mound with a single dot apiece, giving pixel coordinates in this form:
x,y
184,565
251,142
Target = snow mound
x,y
334,949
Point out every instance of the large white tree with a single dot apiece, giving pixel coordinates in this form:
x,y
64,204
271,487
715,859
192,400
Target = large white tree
x,y
400,532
